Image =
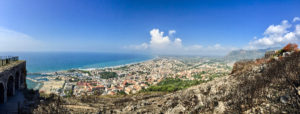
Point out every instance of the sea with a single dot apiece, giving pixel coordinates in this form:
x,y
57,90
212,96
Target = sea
x,y
43,62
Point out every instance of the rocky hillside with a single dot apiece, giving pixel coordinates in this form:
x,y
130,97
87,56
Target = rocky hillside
x,y
267,85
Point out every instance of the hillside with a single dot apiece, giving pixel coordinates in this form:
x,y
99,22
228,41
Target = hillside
x,y
267,85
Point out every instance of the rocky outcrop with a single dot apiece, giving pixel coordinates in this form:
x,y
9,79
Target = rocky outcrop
x,y
241,66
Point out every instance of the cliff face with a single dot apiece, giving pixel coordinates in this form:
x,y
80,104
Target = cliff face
x,y
261,86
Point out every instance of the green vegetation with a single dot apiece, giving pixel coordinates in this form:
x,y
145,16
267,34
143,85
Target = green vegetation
x,y
197,76
214,76
94,84
141,72
121,93
82,71
128,84
107,75
58,78
228,67
173,84
88,72
122,68
147,83
279,52
68,93
71,70
133,73
98,92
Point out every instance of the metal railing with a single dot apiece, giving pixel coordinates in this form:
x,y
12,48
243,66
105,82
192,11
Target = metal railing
x,y
4,60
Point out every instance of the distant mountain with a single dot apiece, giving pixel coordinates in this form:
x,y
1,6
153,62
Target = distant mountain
x,y
247,54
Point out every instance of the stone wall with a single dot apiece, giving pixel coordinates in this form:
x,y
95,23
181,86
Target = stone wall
x,y
12,78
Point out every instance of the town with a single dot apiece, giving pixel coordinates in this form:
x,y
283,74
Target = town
x,y
130,79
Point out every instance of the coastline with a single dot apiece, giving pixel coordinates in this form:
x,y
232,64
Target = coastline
x,y
39,84
117,66
129,78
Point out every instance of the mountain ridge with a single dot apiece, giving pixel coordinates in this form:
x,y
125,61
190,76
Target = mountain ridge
x,y
243,54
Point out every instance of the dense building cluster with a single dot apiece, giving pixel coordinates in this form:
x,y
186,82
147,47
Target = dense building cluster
x,y
131,78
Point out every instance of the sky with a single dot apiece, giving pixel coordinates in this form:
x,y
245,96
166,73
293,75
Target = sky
x,y
193,27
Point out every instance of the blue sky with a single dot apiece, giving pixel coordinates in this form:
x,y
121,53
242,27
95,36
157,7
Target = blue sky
x,y
125,25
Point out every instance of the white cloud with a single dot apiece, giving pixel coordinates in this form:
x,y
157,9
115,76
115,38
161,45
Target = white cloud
x,y
296,19
217,46
216,49
16,41
177,42
277,35
297,30
171,32
158,40
142,46
160,44
196,47
278,29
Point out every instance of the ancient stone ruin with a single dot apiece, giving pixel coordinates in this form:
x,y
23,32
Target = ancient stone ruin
x,y
12,76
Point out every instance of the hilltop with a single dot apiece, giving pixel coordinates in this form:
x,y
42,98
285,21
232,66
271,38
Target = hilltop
x,y
266,85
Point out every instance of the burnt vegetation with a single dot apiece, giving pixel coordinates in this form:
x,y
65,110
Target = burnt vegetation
x,y
274,83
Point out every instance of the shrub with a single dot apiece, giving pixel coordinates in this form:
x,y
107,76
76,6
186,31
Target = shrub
x,y
121,93
290,47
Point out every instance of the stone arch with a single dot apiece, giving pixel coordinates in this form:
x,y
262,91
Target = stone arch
x,y
17,80
10,86
2,93
23,75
